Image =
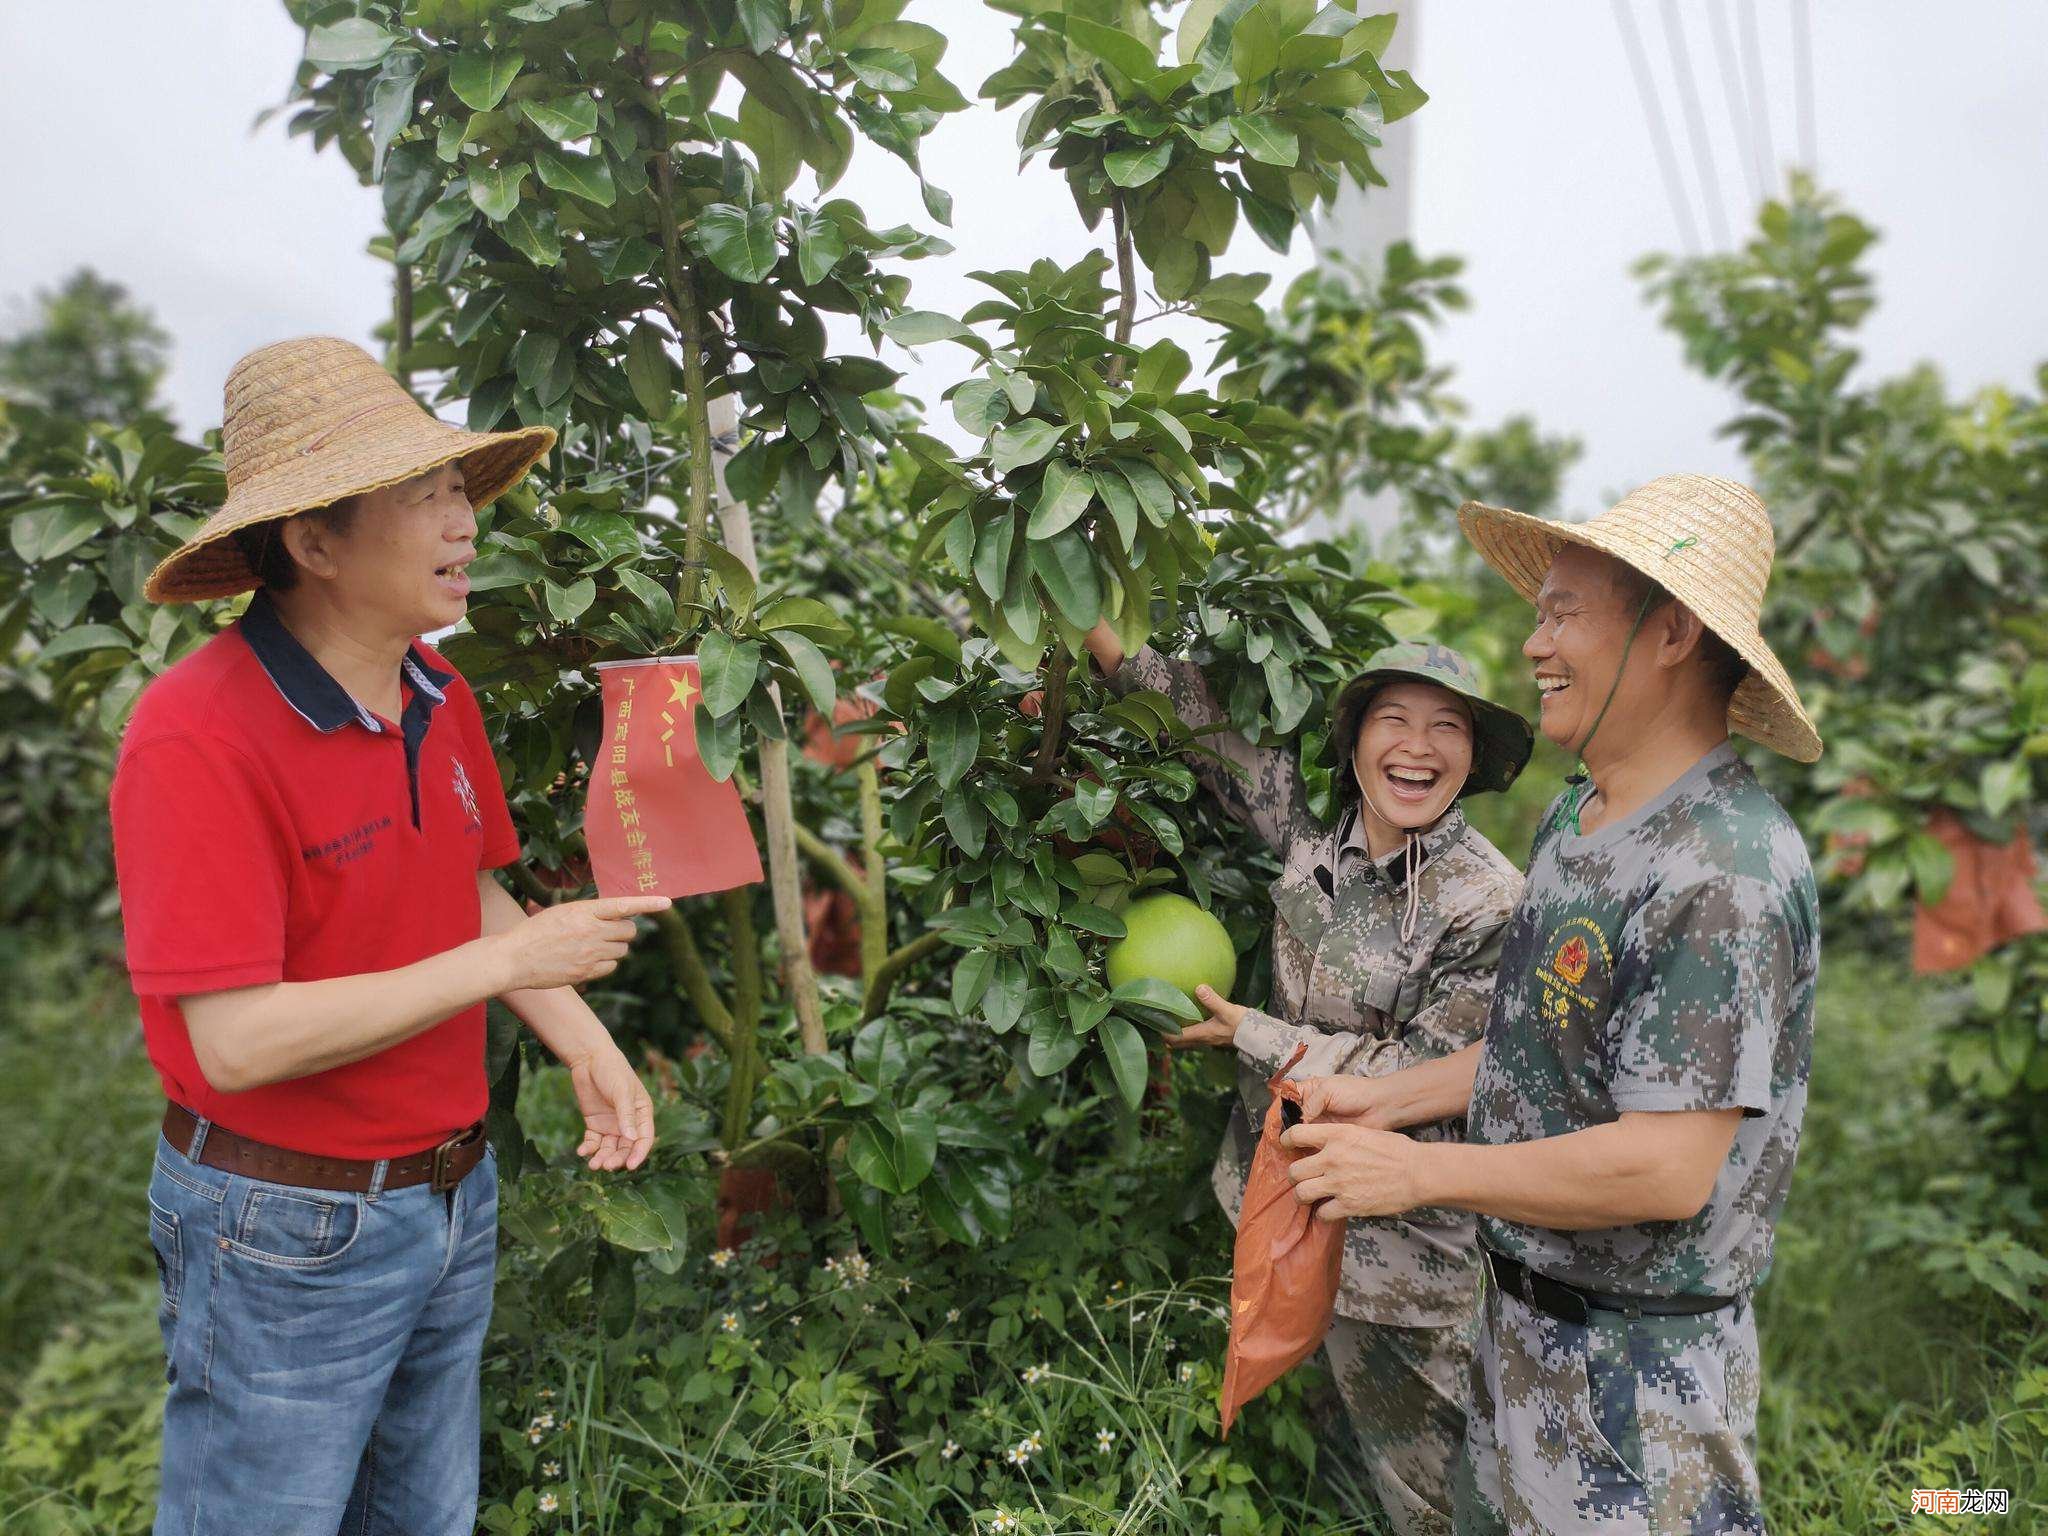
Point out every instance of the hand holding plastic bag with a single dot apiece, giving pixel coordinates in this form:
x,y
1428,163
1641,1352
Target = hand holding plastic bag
x,y
1283,1287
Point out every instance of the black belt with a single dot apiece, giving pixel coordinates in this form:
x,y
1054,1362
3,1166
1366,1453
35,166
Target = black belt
x,y
1569,1304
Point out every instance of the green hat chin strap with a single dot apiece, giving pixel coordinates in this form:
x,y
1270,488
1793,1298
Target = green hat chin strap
x,y
1580,783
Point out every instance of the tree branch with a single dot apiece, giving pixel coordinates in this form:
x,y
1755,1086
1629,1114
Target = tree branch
x,y
898,961
688,964
832,862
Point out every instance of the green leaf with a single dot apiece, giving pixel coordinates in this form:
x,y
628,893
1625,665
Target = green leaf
x,y
651,595
531,232
1934,867
480,77
2003,785
568,603
564,118
1066,565
353,43
718,742
992,555
966,818
1135,167
1124,1049
883,69
610,534
980,405
739,241
1096,920
1114,47
819,245
1024,442
584,176
811,667
734,578
1121,502
920,327
391,100
87,637
764,22
971,978
648,373
1266,139
879,1054
412,180
1053,1045
804,613
1150,487
628,1221
1151,992
953,741
1063,495
495,189
728,667
53,528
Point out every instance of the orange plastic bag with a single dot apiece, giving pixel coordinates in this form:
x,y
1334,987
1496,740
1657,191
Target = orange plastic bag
x,y
1283,1286
1990,901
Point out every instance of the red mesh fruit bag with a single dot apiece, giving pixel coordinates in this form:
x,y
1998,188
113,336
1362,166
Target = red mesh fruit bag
x,y
1283,1285
1990,900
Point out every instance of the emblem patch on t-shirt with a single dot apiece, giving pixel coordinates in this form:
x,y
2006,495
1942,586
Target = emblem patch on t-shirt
x,y
1573,948
466,794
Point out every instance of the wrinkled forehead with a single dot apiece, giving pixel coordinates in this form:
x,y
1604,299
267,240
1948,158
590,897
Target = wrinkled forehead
x,y
1577,573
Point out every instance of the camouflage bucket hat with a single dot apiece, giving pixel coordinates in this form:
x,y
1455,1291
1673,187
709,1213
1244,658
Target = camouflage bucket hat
x,y
1501,739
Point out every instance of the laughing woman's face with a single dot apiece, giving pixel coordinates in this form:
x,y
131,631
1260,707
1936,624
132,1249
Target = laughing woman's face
x,y
1414,753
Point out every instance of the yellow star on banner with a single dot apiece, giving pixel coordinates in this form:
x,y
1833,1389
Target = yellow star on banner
x,y
682,691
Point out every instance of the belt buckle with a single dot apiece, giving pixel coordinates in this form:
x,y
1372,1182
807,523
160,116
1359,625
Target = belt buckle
x,y
438,1179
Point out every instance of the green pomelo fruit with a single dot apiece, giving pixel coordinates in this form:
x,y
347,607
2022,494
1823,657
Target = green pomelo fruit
x,y
1172,940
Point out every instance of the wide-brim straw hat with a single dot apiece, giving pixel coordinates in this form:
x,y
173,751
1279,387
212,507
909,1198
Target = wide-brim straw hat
x,y
1706,541
309,422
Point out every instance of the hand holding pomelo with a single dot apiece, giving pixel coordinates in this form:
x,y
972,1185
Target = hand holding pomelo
x,y
1170,939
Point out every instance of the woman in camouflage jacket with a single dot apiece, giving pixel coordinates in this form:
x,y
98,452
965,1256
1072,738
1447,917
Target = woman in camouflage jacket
x,y
1387,929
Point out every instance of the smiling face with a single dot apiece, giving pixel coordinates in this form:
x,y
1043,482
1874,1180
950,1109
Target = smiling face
x,y
1584,612
1413,754
402,560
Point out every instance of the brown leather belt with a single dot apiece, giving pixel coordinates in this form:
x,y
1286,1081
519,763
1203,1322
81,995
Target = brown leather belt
x,y
443,1167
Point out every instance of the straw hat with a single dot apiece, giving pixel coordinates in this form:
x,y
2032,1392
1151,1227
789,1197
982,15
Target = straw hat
x,y
1706,541
308,422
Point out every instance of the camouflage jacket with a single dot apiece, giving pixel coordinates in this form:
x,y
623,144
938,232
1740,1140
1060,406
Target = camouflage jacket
x,y
1345,985
1664,962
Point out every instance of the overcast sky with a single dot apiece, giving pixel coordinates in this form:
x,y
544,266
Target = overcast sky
x,y
135,153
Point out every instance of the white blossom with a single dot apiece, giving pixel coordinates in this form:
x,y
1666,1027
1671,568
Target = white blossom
x,y
720,1257
549,1503
949,1450
730,1322
1104,1439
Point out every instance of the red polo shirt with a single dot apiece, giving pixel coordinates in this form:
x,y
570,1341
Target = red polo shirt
x,y
267,828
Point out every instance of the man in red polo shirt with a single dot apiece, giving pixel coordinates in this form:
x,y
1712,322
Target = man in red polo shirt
x,y
306,813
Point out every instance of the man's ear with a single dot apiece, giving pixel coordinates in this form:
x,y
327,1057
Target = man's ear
x,y
310,543
1679,634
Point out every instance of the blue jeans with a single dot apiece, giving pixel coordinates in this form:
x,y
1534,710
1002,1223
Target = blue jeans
x,y
322,1350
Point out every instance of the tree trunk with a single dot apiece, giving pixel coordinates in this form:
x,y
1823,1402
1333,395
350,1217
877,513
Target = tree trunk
x,y
778,813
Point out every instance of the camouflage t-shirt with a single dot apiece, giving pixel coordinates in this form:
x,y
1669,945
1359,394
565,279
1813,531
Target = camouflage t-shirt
x,y
1663,962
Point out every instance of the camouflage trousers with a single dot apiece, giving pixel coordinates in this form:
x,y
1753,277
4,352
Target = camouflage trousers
x,y
1645,1426
1404,1393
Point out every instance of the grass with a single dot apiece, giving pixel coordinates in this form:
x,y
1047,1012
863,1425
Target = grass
x,y
1874,1384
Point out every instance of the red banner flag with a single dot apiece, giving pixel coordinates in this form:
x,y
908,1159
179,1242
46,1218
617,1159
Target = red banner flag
x,y
658,824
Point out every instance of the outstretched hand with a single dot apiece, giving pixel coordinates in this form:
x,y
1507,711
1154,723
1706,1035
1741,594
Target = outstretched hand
x,y
1219,1029
618,1116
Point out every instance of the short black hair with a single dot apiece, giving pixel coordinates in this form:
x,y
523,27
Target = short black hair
x,y
1726,670
262,544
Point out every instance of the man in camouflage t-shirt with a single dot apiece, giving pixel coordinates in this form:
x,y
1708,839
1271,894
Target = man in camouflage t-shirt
x,y
1636,1101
